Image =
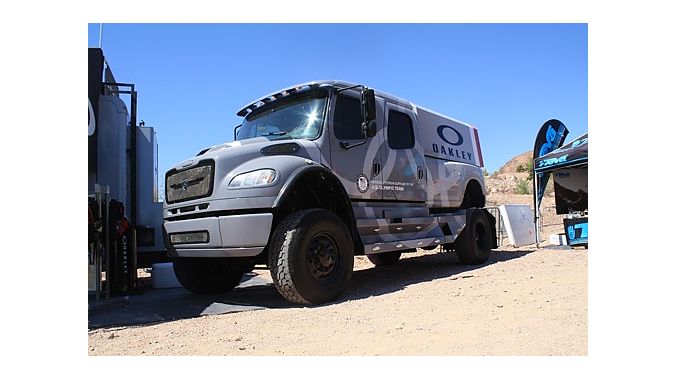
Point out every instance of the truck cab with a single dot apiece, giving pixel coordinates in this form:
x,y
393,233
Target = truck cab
x,y
318,173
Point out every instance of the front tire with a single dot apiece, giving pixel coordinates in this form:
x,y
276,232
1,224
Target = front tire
x,y
202,275
474,243
311,256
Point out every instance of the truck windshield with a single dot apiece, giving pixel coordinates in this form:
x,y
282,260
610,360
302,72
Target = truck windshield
x,y
298,118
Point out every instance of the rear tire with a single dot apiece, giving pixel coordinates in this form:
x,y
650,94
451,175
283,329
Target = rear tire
x,y
202,275
311,256
474,243
384,259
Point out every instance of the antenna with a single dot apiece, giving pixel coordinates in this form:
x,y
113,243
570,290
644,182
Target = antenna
x,y
100,34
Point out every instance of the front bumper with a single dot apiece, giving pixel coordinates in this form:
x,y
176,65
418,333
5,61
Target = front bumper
x,y
229,236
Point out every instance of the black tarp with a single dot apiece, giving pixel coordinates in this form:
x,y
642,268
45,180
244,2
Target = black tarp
x,y
98,73
570,155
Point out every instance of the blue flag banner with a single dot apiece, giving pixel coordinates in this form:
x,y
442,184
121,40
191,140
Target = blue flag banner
x,y
549,138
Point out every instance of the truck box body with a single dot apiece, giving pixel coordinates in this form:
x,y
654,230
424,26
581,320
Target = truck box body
x,y
448,139
452,154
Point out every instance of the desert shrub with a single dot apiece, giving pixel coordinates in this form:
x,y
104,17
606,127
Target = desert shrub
x,y
521,168
522,187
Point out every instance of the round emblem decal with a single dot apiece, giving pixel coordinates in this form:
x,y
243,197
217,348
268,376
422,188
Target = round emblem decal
x,y
362,183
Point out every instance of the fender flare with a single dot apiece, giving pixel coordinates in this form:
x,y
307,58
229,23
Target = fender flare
x,y
297,174
301,172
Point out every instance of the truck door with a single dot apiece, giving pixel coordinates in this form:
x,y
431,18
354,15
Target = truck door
x,y
359,167
404,163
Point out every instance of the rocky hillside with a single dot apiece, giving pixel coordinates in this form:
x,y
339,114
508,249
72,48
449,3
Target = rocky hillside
x,y
512,177
513,165
510,184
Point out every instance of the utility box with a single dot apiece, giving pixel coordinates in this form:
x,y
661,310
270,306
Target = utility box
x,y
149,217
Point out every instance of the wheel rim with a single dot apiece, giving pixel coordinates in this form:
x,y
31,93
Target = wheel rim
x,y
322,256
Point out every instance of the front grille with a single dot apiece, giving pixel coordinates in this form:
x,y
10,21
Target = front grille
x,y
193,183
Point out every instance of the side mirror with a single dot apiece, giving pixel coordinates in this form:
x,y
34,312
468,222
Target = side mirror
x,y
237,128
368,104
369,128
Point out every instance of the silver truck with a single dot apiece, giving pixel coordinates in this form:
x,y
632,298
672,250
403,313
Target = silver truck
x,y
320,172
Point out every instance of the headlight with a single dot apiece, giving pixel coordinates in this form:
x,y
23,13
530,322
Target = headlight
x,y
251,179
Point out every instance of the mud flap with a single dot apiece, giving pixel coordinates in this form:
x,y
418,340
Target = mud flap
x,y
494,232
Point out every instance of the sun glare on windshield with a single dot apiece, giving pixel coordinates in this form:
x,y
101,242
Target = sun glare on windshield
x,y
312,116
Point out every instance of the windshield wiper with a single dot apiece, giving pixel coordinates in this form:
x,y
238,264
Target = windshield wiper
x,y
278,133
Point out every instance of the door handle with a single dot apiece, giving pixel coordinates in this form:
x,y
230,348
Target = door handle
x,y
376,168
421,172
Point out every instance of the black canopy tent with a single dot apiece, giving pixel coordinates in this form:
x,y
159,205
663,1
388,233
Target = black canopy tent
x,y
568,165
573,154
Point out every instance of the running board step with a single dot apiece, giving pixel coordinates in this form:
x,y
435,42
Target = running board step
x,y
401,245
388,235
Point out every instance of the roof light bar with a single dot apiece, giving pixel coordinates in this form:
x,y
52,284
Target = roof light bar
x,y
275,96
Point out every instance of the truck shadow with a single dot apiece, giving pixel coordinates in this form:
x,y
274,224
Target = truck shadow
x,y
163,305
256,292
378,281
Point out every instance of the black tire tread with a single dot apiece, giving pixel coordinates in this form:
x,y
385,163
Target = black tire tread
x,y
465,246
288,236
279,253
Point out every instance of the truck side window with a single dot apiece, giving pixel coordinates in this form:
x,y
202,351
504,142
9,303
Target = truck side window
x,y
347,118
399,130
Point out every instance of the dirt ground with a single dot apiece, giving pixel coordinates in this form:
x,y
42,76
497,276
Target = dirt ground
x,y
523,301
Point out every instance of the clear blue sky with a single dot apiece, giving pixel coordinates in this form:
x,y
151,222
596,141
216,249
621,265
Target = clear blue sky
x,y
505,79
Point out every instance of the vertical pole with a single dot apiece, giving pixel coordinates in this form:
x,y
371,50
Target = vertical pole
x,y
97,248
100,35
132,262
500,224
132,160
537,211
134,190
107,235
